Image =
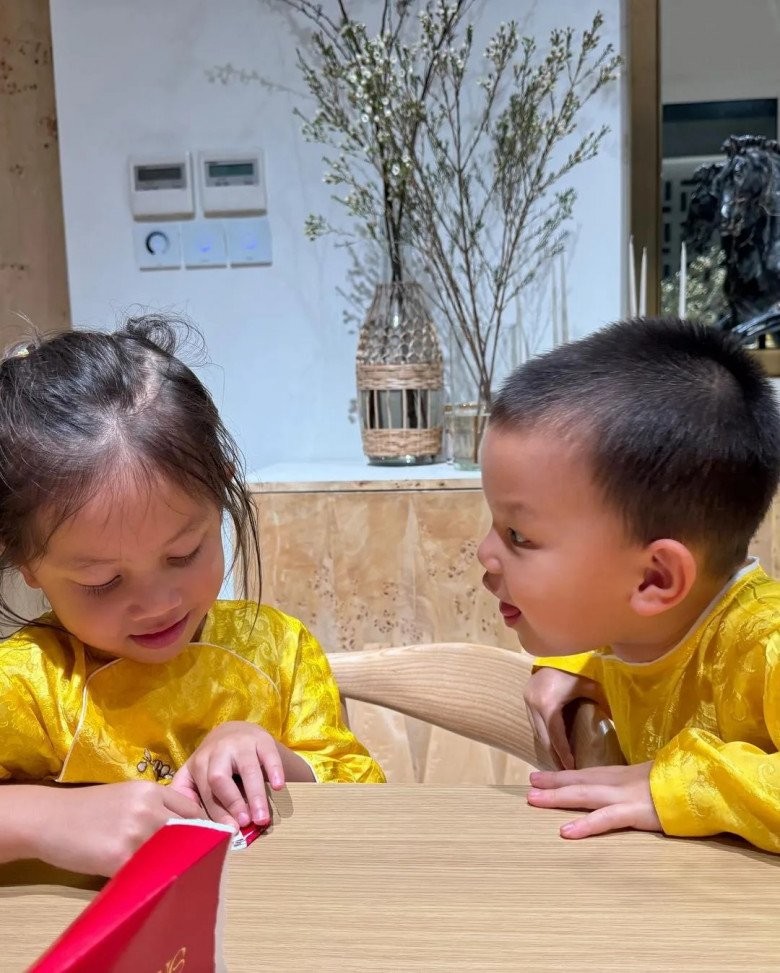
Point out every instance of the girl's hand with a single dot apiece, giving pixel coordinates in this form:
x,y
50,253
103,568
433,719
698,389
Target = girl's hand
x,y
617,797
235,748
546,694
94,830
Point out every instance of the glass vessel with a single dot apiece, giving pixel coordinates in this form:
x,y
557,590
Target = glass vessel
x,y
400,378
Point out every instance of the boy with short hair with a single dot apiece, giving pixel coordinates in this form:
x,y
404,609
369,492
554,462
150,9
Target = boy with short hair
x,y
626,474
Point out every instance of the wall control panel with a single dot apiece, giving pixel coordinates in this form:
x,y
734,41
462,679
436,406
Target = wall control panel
x,y
232,182
161,187
175,224
203,244
169,245
157,246
248,241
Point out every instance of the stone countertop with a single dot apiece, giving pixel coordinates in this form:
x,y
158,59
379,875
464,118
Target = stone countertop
x,y
347,475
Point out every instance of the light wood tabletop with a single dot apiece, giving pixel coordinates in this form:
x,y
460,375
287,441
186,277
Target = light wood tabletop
x,y
420,877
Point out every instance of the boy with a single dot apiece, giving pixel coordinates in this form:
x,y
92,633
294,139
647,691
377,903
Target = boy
x,y
626,474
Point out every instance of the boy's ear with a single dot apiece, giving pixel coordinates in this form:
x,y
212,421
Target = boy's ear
x,y
669,575
29,578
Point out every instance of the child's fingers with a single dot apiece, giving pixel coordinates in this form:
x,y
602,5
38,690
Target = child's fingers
x,y
181,804
544,749
585,796
604,819
559,741
269,757
183,784
221,795
253,782
546,779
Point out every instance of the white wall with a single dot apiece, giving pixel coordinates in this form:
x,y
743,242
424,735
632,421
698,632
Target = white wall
x,y
131,77
713,50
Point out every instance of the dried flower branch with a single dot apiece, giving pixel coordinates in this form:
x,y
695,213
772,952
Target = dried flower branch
x,y
468,171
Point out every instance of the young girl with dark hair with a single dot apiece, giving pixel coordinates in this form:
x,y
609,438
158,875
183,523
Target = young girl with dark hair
x,y
115,475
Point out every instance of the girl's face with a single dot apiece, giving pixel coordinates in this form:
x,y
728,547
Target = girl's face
x,y
134,572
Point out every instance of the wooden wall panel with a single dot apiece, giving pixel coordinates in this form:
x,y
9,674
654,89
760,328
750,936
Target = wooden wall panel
x,y
33,279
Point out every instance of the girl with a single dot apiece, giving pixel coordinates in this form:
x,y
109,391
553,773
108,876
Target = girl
x,y
115,474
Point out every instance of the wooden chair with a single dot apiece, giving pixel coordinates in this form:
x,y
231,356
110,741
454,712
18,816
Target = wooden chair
x,y
473,690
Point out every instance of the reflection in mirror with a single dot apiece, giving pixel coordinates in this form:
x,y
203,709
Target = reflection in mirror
x,y
720,177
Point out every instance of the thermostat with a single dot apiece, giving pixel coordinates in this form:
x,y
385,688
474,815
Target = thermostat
x,y
232,182
161,187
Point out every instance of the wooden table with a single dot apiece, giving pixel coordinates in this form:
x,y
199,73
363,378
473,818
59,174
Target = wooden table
x,y
419,877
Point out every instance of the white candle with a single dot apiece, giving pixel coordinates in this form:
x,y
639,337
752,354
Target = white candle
x,y
554,307
683,299
643,284
631,279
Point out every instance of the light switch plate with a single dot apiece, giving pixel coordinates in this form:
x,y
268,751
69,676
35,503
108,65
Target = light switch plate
x,y
203,244
157,246
248,241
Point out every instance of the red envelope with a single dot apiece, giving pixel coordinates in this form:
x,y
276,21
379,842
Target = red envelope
x,y
158,913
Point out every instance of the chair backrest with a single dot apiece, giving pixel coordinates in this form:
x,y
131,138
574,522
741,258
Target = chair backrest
x,y
473,690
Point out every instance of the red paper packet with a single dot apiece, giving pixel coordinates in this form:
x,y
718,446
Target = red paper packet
x,y
159,912
245,836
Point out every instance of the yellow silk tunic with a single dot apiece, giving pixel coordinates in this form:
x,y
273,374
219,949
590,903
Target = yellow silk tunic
x,y
708,714
69,716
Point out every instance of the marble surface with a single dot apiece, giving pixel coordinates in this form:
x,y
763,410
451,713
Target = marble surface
x,y
359,475
389,567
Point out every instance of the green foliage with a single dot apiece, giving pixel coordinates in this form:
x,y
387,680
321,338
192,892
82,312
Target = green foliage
x,y
704,298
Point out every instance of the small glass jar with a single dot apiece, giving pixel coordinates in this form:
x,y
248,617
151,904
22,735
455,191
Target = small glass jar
x,y
465,423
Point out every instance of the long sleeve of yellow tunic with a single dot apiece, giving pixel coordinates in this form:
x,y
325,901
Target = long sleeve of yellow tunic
x,y
707,713
68,716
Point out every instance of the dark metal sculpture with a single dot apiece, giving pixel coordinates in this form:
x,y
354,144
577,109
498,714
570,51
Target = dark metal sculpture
x,y
739,200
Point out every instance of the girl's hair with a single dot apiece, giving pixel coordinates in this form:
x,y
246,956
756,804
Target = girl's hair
x,y
82,407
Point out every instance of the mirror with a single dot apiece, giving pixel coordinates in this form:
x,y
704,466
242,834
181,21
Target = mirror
x,y
712,199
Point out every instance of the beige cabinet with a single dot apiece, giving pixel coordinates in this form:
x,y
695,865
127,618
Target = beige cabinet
x,y
367,563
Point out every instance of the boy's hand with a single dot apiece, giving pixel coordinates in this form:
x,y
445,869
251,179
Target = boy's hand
x,y
233,748
617,797
94,830
546,694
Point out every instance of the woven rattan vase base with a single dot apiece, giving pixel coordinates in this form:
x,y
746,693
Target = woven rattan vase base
x,y
399,378
399,446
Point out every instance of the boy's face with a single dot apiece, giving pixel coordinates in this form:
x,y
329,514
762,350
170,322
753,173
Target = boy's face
x,y
135,570
556,556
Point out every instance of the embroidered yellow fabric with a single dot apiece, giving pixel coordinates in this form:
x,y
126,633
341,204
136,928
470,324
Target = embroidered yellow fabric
x,y
68,716
708,714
